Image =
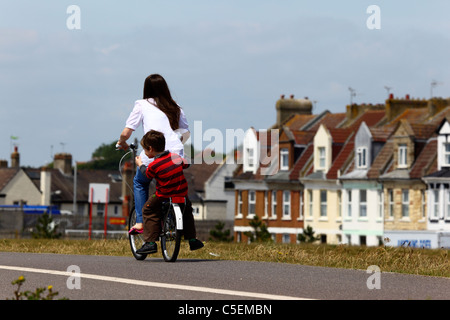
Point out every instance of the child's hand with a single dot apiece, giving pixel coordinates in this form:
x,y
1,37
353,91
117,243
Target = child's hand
x,y
138,161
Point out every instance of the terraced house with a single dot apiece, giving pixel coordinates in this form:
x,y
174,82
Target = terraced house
x,y
363,177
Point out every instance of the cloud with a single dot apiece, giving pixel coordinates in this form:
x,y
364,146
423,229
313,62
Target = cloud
x,y
109,49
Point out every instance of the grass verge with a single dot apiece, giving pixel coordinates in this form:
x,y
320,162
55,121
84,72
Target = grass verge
x,y
429,262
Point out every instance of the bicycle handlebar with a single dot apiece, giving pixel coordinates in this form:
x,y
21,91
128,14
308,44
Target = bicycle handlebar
x,y
131,145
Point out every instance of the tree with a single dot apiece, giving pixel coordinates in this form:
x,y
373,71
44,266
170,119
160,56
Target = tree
x,y
104,157
260,233
307,236
46,228
218,234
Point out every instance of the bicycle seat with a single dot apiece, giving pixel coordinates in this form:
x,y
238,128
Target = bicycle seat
x,y
178,200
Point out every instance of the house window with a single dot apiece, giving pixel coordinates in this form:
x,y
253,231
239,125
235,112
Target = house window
x,y
447,154
310,202
251,202
322,157
349,203
339,196
301,205
100,209
284,155
286,238
228,183
363,203
402,156
405,203
274,203
239,203
435,213
391,203
251,157
361,157
362,240
286,204
266,204
349,238
447,214
380,203
323,203
196,211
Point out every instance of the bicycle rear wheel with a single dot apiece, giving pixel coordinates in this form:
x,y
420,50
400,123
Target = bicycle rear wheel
x,y
137,240
171,237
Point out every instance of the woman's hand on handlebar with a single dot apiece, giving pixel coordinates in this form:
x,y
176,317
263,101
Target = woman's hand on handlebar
x,y
122,145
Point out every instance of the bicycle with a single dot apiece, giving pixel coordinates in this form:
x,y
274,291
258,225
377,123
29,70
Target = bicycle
x,y
171,223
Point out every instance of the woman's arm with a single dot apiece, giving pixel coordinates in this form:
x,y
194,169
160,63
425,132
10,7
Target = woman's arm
x,y
183,127
124,136
185,137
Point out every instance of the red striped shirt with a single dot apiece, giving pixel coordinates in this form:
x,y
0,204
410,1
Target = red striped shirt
x,y
167,170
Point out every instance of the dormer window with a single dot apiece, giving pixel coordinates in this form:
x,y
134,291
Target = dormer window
x,y
251,157
361,157
447,154
284,159
322,157
250,151
402,148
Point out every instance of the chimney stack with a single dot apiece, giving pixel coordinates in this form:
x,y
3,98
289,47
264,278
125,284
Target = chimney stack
x,y
287,107
63,162
15,158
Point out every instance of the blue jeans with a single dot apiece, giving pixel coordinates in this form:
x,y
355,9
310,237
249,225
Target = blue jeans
x,y
141,186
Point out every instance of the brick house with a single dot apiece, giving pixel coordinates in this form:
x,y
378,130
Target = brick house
x,y
356,178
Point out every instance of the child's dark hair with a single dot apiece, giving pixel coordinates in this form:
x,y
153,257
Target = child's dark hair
x,y
154,139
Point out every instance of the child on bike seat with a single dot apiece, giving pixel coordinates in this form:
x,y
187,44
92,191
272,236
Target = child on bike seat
x,y
167,170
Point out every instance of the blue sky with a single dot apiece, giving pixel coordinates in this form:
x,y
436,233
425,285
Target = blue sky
x,y
226,62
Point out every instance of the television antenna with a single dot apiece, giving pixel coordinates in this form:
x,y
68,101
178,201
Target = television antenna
x,y
388,89
434,84
352,94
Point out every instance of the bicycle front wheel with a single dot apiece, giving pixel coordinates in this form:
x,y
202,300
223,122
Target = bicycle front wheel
x,y
137,240
171,237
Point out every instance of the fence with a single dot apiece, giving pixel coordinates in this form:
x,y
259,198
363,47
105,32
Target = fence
x,y
17,224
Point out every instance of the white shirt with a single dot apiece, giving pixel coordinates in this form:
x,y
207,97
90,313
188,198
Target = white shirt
x,y
152,118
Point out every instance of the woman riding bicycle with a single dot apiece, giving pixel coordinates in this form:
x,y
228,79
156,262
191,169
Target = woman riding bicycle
x,y
156,111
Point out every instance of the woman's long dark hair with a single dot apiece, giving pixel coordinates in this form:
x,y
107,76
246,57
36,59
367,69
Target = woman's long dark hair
x,y
156,87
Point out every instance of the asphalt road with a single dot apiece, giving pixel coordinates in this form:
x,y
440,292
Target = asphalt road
x,y
104,277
